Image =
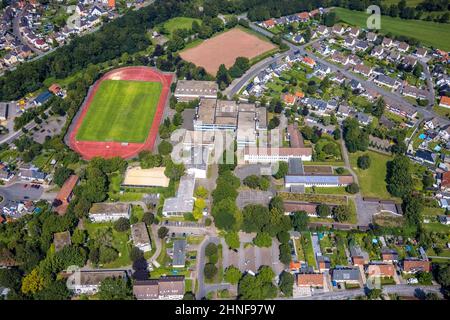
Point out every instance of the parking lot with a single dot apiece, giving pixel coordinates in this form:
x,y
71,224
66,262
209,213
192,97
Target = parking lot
x,y
20,192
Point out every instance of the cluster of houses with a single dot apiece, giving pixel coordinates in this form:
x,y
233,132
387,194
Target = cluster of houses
x,y
297,17
24,30
359,269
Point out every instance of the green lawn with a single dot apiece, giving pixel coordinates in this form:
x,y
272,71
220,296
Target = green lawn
x,y
179,23
121,111
429,33
372,181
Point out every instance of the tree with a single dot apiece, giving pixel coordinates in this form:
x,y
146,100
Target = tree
x,y
232,275
211,249
232,240
174,171
355,138
122,225
352,188
226,215
223,77
398,177
341,213
424,278
283,236
330,19
148,218
273,123
263,239
378,108
136,254
201,192
107,254
374,294
32,282
56,290
285,253
255,217
364,162
300,220
115,289
162,232
10,278
323,210
189,296
282,170
210,270
61,175
286,283
165,148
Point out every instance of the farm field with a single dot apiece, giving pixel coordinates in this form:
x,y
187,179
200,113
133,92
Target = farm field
x,y
225,48
118,106
372,181
429,33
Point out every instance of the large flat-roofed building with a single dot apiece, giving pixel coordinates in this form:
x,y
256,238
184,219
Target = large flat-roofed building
x,y
263,154
183,202
88,281
295,138
261,116
196,162
246,129
141,239
187,90
179,253
103,212
317,176
164,288
136,177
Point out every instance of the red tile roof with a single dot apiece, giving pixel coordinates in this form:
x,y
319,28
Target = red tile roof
x,y
282,151
309,61
64,194
303,15
289,98
445,179
54,88
385,270
295,137
310,279
445,101
416,265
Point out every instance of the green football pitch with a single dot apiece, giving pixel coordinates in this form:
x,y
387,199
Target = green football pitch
x,y
121,111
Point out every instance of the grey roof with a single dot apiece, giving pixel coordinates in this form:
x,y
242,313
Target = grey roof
x,y
356,251
295,167
385,79
345,274
312,179
184,201
179,252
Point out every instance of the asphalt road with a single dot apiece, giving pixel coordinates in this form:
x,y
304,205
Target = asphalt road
x,y
401,290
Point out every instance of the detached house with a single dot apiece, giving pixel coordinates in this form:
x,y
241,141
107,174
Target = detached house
x,y
411,265
386,81
362,69
371,36
354,32
338,29
403,47
339,58
444,102
387,42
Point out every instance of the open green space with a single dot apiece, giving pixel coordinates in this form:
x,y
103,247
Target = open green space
x,y
179,23
428,33
121,111
372,180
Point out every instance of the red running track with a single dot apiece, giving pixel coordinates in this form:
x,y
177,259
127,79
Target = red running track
x,y
91,149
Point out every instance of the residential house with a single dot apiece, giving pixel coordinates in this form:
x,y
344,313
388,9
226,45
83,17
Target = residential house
x,y
359,256
413,265
421,52
444,219
31,173
425,156
445,181
338,29
314,280
361,45
354,32
444,102
414,92
339,58
363,69
371,36
386,81
377,52
309,62
269,23
141,239
389,255
322,30
403,47
346,275
387,42
363,118
380,270
349,42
